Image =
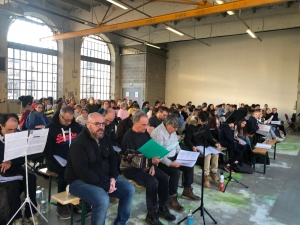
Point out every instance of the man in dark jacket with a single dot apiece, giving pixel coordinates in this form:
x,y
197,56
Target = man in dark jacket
x,y
226,138
8,125
110,126
62,130
93,175
123,127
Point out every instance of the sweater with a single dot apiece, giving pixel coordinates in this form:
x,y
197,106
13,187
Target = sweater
x,y
93,163
59,138
123,114
123,127
252,125
162,137
154,121
37,121
226,135
92,108
192,139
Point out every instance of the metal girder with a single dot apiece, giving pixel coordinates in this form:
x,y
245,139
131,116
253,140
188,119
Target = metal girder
x,y
242,4
77,4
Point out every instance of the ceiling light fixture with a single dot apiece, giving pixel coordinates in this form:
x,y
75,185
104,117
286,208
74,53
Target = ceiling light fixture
x,y
251,33
174,31
230,13
220,2
154,46
117,4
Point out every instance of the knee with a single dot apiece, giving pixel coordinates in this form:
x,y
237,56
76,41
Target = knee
x,y
175,173
152,183
130,189
101,200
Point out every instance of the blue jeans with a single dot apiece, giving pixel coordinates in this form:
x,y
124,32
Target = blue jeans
x,y
99,199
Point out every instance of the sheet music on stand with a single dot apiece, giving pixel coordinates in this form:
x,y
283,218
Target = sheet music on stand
x,y
37,141
15,145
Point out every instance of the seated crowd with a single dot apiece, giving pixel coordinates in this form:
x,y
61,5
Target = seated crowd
x,y
84,134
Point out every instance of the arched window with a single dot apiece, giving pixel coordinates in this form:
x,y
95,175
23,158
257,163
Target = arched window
x,y
95,69
32,65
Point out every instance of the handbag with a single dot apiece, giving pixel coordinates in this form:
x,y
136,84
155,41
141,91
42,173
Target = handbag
x,y
138,161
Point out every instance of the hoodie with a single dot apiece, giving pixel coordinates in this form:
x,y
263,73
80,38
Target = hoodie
x,y
60,137
226,135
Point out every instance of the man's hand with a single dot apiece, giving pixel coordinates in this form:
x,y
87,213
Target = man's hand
x,y
175,164
195,149
5,166
155,160
112,187
40,126
152,171
218,146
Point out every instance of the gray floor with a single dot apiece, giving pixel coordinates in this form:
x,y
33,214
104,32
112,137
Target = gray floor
x,y
272,198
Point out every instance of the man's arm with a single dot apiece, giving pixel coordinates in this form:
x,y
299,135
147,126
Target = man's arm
x,y
188,137
49,148
158,137
113,165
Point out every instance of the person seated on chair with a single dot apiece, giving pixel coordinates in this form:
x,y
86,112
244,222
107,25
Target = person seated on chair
x,y
134,107
123,113
122,128
151,177
92,172
105,106
157,119
275,118
165,135
193,139
253,126
235,149
9,124
62,130
36,118
82,119
241,133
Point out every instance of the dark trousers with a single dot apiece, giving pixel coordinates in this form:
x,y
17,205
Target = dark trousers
x,y
56,168
235,151
15,188
156,185
174,174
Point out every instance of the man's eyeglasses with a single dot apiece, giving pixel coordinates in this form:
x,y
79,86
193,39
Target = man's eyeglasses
x,y
10,130
67,121
98,124
108,121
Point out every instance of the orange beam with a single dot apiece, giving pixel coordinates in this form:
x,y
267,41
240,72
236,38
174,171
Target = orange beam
x,y
242,4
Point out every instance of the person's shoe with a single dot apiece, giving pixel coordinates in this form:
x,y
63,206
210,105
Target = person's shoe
x,y
188,193
206,181
18,222
112,199
174,204
152,218
214,178
164,212
29,221
227,168
63,212
279,139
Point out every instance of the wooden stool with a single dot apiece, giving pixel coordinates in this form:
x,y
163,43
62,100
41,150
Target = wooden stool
x,y
65,199
51,176
272,142
260,151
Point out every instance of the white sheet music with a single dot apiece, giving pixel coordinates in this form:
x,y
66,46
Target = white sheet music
x,y
276,122
265,128
15,145
265,146
210,150
37,141
187,158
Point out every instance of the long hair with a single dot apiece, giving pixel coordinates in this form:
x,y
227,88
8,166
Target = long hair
x,y
242,129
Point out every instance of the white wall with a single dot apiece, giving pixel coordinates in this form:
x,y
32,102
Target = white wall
x,y
236,69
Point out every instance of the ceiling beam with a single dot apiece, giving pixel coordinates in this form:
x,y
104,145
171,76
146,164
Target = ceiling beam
x,y
77,4
242,4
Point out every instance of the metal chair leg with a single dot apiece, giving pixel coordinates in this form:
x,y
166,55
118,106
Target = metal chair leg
x,y
49,189
72,214
83,214
265,162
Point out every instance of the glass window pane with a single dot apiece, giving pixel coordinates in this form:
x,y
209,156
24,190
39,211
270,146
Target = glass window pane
x,y
23,55
10,53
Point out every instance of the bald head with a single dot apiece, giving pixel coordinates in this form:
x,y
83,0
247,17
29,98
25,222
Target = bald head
x,y
109,116
96,125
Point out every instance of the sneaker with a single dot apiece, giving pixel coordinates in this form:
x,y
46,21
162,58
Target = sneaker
x,y
63,212
29,221
152,218
77,209
227,168
17,222
279,139
164,212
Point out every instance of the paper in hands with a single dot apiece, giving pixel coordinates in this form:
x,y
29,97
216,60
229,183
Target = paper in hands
x,y
187,158
209,150
60,160
152,149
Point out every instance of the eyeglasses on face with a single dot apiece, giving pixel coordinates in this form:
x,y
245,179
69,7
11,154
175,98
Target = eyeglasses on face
x,y
11,130
67,121
98,124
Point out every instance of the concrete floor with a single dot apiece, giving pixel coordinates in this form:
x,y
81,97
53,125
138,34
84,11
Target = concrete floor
x,y
272,198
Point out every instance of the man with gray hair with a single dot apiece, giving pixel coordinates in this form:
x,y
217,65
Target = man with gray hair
x,y
153,179
165,135
62,129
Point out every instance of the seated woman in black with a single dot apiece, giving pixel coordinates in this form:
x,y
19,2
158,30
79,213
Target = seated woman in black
x,y
226,138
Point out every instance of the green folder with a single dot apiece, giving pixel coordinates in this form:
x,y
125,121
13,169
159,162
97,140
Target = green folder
x,y
152,149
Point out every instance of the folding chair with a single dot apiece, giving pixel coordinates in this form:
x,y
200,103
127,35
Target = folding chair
x,y
292,125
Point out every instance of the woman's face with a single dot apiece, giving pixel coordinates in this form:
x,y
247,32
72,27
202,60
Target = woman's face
x,y
63,104
84,114
243,124
39,108
211,107
268,111
82,103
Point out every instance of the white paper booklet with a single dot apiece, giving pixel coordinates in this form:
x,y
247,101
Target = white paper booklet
x,y
276,122
265,146
264,128
187,158
60,160
210,150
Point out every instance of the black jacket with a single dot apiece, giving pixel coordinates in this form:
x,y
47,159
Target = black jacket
x,y
226,135
91,162
123,127
192,139
110,130
56,143
252,125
